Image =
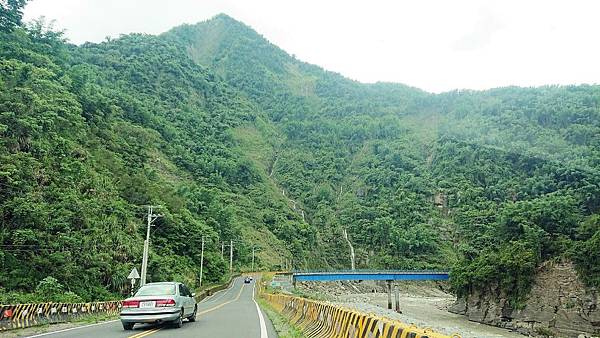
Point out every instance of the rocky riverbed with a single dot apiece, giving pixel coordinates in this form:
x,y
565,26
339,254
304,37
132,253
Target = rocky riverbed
x,y
424,304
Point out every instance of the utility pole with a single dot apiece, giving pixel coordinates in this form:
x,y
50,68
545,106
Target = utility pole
x,y
231,256
150,218
223,245
252,259
201,260
253,250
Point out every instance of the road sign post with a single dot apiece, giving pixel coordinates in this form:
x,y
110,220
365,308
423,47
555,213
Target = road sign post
x,y
133,275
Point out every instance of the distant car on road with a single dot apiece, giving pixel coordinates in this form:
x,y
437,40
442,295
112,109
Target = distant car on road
x,y
247,280
159,303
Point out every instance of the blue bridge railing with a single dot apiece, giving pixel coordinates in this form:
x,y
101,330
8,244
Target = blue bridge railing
x,y
370,275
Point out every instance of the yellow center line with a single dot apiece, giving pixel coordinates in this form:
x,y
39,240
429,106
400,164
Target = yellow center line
x,y
145,333
149,332
223,304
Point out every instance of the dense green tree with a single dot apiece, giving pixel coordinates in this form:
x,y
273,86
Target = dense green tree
x,y
11,13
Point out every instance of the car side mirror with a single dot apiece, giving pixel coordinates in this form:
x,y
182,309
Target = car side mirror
x,y
193,294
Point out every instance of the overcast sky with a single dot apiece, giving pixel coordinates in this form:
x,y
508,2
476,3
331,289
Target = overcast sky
x,y
433,45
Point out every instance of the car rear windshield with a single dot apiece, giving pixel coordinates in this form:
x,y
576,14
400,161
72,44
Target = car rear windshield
x,y
156,290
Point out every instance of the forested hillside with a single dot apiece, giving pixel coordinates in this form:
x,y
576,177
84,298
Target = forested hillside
x,y
236,139
488,183
92,134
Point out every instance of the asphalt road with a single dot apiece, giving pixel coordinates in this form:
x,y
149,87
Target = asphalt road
x,y
230,313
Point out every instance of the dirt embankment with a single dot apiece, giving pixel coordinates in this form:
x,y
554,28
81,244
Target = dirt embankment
x,y
424,304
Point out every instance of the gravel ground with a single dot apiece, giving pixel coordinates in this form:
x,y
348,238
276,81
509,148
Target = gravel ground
x,y
422,304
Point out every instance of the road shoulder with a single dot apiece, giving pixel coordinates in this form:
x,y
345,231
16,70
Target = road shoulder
x,y
281,325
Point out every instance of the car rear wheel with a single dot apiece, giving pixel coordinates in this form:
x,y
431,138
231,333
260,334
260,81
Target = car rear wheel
x,y
179,321
192,318
127,326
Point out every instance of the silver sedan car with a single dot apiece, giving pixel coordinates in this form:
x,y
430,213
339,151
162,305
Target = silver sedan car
x,y
158,303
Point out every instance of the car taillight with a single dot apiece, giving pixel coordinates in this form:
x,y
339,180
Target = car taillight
x,y
131,303
165,302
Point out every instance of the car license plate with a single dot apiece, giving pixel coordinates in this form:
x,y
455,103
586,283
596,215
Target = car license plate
x,y
147,304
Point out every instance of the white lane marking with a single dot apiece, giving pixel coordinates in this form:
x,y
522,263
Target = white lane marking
x,y
73,328
261,319
223,293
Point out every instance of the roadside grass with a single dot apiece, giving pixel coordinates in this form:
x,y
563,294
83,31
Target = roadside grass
x,y
284,328
96,318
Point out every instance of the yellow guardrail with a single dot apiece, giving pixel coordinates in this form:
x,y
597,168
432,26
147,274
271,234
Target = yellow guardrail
x,y
322,320
25,315
17,316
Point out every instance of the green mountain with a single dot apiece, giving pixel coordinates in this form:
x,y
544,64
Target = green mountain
x,y
92,134
488,183
238,140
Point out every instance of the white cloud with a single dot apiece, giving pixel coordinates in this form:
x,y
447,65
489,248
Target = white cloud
x,y
434,45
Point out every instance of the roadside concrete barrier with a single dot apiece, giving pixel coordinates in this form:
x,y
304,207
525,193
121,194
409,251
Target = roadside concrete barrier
x,y
20,316
322,320
26,315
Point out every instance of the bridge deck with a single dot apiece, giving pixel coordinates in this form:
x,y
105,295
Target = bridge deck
x,y
370,275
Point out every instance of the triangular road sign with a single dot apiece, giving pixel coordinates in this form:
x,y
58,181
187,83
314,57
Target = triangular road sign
x,y
133,274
